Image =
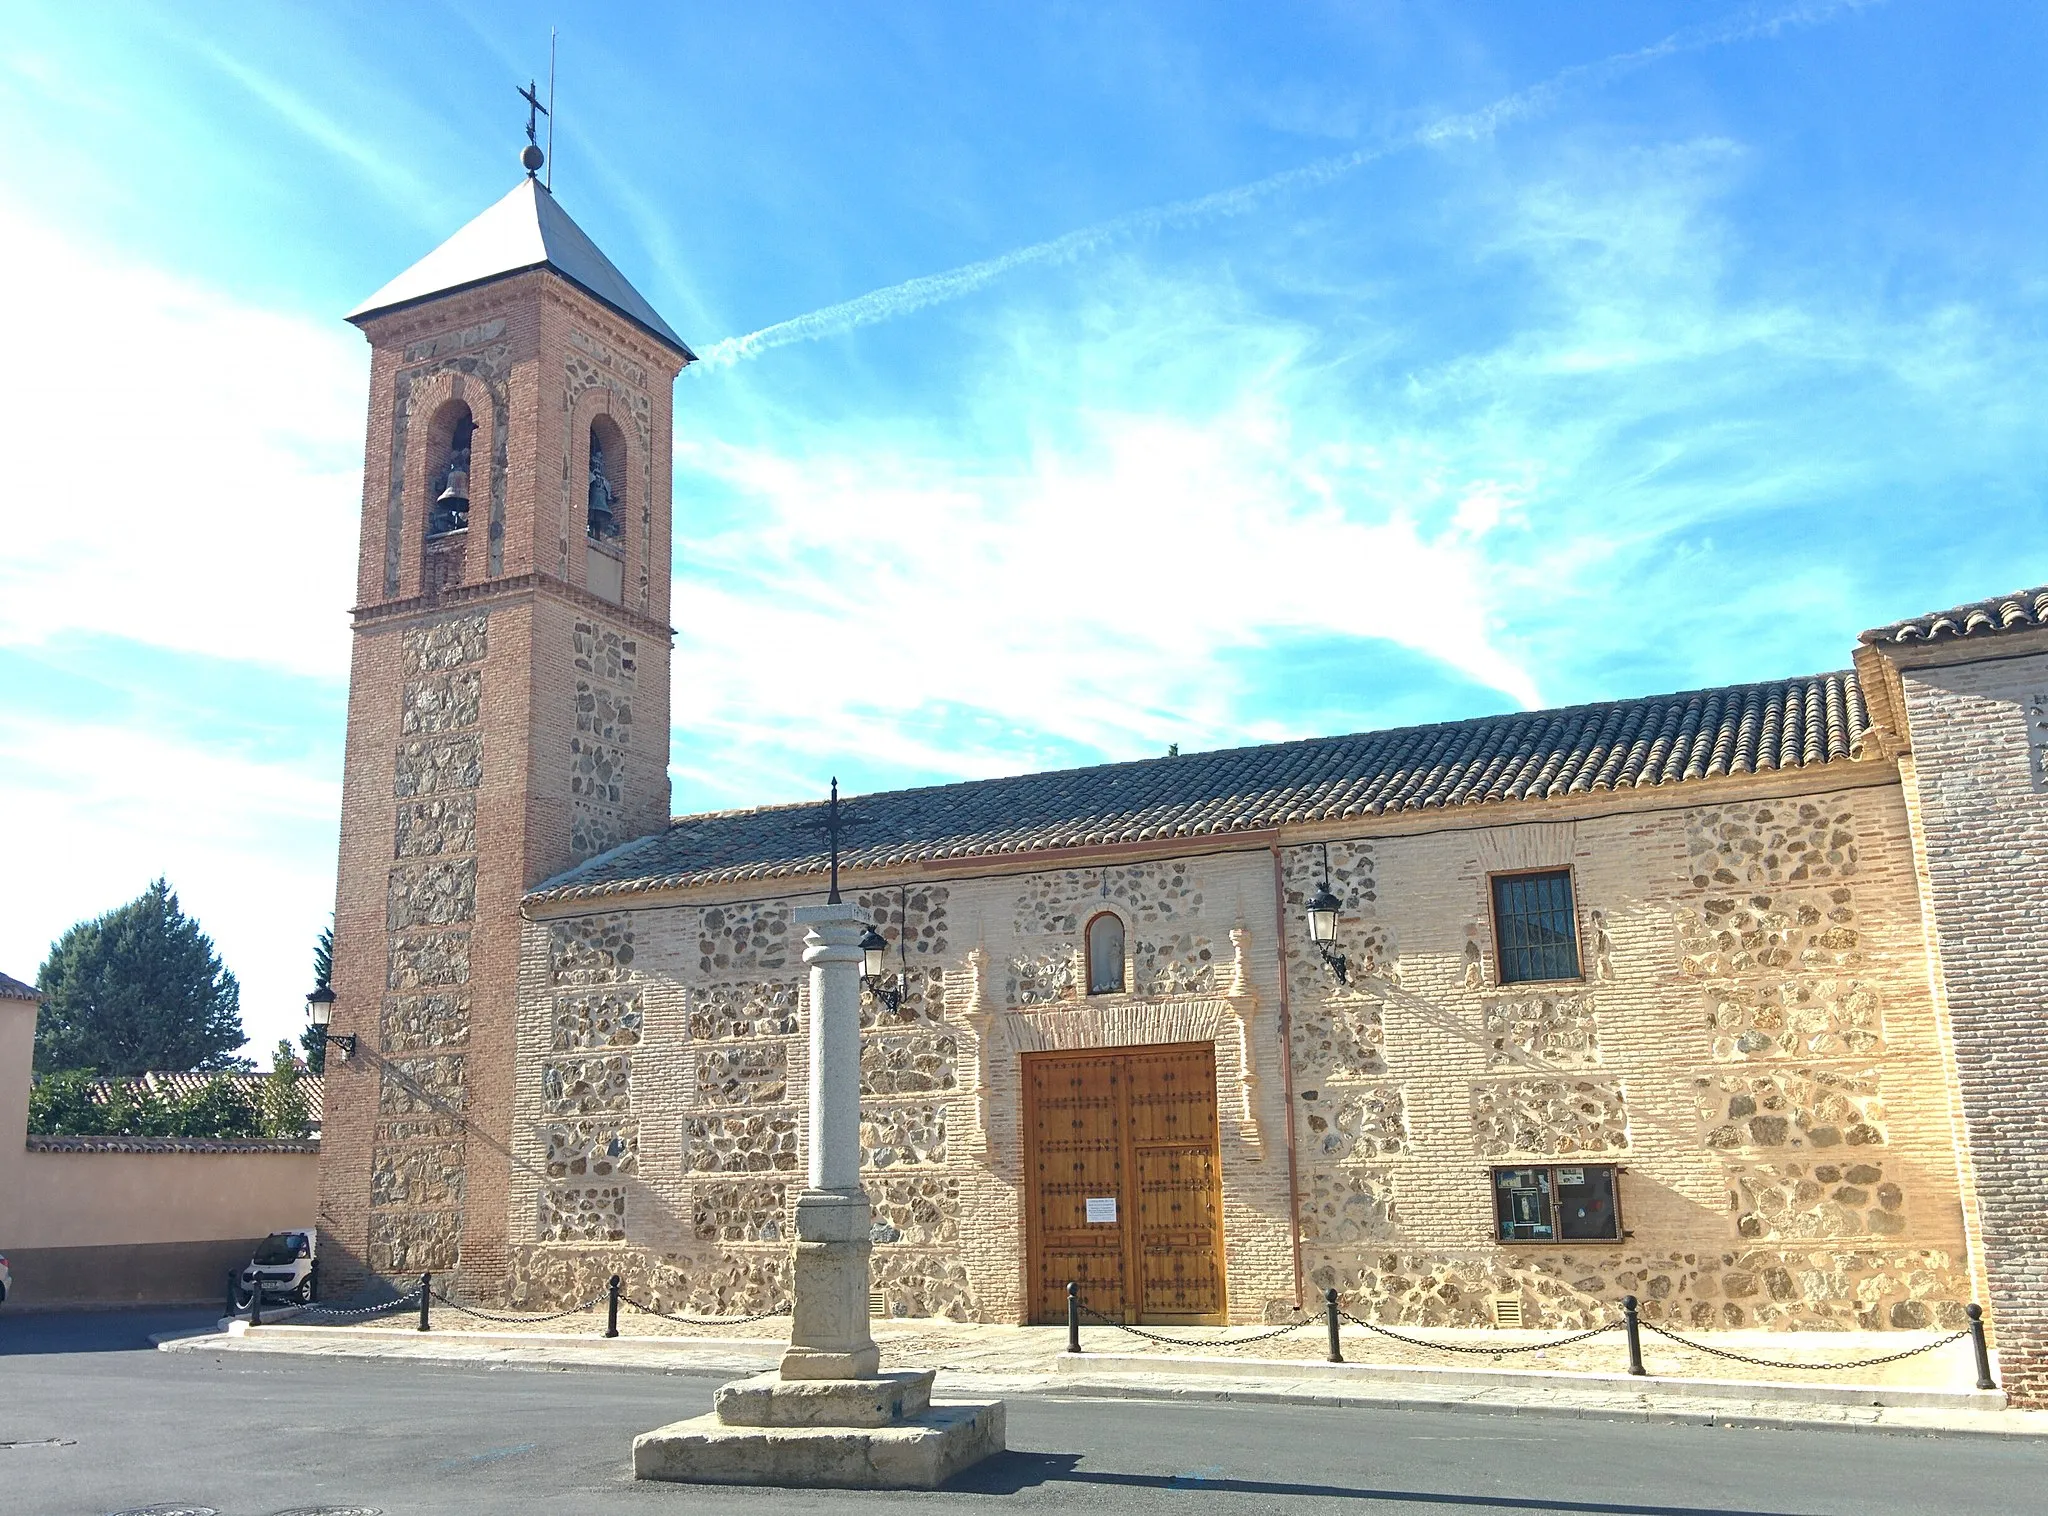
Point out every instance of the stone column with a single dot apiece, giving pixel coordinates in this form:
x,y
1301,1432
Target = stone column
x,y
828,1338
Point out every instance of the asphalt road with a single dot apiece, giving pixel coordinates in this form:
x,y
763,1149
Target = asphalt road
x,y
93,1421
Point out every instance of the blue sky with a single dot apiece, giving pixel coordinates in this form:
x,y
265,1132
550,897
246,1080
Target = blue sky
x,y
1078,380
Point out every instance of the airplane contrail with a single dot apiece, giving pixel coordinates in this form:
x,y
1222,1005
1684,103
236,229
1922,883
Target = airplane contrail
x,y
935,289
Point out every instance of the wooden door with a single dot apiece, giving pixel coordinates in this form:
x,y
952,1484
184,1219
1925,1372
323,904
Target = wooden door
x,y
1126,1184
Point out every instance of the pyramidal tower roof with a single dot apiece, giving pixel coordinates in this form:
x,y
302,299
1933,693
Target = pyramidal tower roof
x,y
525,230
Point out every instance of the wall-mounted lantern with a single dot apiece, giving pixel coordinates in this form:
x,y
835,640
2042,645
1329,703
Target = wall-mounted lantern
x,y
874,953
1322,925
320,1011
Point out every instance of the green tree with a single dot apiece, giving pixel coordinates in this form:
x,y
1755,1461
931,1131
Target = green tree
x,y
138,988
61,1105
281,1104
323,974
216,1109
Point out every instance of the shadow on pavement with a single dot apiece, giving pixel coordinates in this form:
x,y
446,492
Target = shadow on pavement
x,y
123,1331
1013,1472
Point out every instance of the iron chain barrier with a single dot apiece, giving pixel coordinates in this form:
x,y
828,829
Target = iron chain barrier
x,y
1631,1325
518,1320
1775,1363
404,1302
1196,1342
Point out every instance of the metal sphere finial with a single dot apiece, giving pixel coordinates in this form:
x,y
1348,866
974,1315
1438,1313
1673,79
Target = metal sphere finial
x,y
531,158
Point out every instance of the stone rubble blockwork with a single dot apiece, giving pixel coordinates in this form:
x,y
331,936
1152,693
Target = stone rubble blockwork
x,y
597,1019
1366,1121
424,1023
740,1144
893,1135
427,960
1554,1118
1554,1031
591,1149
743,938
757,1075
585,1213
1791,1108
742,1211
1771,843
1810,1017
429,828
1572,1290
1802,1200
728,1011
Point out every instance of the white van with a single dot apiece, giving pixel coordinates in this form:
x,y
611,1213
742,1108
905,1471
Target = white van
x,y
285,1264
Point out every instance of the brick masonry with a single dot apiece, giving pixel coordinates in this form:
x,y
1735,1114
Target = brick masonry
x,y
1975,724
504,722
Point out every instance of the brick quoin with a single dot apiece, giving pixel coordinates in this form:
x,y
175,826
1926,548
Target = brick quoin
x,y
1973,724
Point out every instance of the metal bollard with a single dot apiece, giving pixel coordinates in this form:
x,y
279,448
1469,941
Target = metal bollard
x,y
232,1309
1984,1379
611,1316
426,1297
1635,1335
1330,1308
1073,1317
256,1303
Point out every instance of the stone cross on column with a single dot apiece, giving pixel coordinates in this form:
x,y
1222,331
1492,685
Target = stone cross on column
x,y
828,1338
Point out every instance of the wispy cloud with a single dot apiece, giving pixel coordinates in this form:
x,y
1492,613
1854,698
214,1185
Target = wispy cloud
x,y
902,299
205,494
1108,540
399,186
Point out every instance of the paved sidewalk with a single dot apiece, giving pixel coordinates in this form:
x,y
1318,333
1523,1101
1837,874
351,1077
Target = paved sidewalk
x,y
1578,1381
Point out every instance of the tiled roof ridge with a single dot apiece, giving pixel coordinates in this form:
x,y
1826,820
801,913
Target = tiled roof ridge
x,y
1285,743
46,1144
13,989
780,805
179,1083
2018,611
1760,726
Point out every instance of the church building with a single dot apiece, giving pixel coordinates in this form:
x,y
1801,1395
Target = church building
x,y
1735,999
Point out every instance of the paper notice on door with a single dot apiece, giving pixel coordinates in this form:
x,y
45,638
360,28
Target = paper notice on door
x,y
1101,1210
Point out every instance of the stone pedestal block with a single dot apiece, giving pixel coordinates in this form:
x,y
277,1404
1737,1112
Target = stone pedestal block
x,y
920,1453
772,1401
828,1334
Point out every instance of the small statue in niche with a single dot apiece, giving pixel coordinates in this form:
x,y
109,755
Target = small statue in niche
x,y
451,501
604,520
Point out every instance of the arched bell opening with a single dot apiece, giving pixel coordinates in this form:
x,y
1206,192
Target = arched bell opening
x,y
452,432
605,517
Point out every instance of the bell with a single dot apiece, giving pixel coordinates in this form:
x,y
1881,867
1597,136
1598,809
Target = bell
x,y
451,506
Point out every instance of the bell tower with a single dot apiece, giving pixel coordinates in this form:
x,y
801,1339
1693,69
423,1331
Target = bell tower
x,y
508,702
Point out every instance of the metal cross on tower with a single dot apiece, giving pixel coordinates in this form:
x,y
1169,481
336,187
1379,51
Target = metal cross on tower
x,y
531,156
534,110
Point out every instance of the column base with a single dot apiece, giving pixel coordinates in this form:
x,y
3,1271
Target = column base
x,y
881,1433
816,1363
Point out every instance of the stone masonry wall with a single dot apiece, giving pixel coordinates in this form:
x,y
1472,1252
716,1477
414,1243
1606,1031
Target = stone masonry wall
x,y
418,1165
1751,1038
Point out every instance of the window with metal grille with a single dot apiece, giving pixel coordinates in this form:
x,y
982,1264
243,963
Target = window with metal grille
x,y
1534,927
1557,1203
